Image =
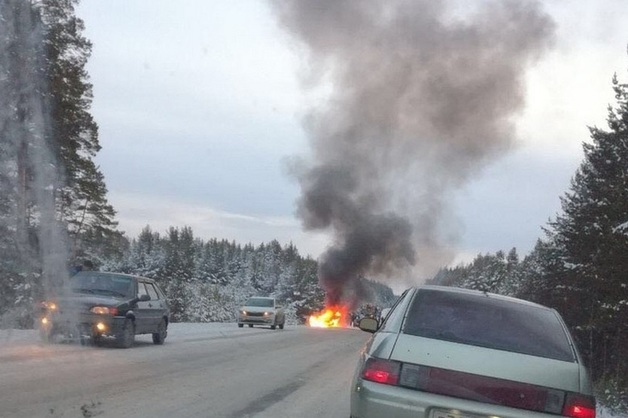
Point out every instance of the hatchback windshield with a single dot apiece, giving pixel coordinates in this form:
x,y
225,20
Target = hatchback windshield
x,y
102,284
488,322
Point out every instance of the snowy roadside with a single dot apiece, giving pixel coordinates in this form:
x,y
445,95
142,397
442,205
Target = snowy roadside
x,y
176,332
603,412
18,336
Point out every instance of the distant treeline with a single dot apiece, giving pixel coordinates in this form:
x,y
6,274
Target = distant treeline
x,y
208,280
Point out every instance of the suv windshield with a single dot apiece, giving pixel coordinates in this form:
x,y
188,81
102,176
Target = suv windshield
x,y
260,302
102,284
488,322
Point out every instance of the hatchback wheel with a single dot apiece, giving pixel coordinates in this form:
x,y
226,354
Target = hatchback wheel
x,y
250,325
126,336
240,325
97,340
46,336
84,339
161,334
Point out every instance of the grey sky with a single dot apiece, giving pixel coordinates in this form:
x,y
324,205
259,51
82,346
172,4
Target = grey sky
x,y
199,106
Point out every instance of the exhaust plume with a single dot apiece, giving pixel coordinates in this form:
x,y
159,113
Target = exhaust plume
x,y
423,95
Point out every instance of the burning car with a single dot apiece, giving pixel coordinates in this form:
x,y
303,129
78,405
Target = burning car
x,y
332,317
97,305
445,352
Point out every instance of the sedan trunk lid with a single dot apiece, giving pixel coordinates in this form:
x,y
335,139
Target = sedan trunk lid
x,y
487,362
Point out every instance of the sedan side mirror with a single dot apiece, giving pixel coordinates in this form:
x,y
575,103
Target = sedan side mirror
x,y
368,324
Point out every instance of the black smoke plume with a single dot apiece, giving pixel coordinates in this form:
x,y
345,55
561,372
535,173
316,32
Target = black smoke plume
x,y
423,95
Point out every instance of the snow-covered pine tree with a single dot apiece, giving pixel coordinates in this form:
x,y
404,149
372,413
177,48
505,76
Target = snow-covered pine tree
x,y
487,273
73,134
512,280
176,272
592,244
19,52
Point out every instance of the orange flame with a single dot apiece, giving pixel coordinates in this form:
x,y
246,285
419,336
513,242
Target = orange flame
x,y
334,316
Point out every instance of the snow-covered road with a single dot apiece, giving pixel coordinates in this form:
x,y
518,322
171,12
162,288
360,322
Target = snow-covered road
x,y
203,370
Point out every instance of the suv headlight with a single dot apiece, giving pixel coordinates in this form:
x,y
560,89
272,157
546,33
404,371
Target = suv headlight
x,y
268,313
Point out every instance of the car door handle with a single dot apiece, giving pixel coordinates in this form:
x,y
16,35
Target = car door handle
x,y
150,305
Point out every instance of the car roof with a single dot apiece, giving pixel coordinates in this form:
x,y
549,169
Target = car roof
x,y
111,273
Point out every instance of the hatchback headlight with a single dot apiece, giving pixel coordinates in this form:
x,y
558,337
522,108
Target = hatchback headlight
x,y
104,310
51,306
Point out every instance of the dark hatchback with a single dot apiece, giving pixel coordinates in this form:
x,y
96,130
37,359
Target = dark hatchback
x,y
99,305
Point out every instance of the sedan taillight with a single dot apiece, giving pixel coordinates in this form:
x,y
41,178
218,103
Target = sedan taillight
x,y
579,406
479,388
381,371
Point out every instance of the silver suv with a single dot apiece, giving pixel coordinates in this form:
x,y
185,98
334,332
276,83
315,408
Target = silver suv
x,y
452,353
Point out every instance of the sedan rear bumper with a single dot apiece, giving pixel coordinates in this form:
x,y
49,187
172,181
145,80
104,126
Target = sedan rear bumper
x,y
371,400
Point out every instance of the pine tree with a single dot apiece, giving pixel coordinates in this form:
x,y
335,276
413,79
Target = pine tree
x,y
145,255
26,200
73,134
170,275
487,273
512,282
50,184
590,240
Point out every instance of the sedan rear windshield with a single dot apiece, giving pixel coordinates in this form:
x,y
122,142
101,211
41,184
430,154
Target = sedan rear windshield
x,y
490,322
